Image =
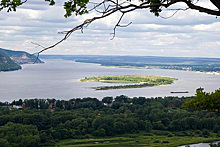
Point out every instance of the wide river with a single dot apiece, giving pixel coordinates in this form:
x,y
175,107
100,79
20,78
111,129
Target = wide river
x,y
59,79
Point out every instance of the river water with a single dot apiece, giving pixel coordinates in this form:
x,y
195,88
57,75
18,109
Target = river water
x,y
59,79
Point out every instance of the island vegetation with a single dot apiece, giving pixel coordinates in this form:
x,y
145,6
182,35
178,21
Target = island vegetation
x,y
142,80
119,121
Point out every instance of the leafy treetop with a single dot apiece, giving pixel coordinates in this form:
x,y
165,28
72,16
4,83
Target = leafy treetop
x,y
79,7
204,101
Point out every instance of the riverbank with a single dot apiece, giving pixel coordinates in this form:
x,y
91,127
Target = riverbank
x,y
133,140
209,73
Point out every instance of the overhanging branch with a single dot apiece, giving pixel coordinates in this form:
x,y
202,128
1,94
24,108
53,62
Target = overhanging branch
x,y
127,7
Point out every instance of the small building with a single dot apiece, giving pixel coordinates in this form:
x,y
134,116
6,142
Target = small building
x,y
23,105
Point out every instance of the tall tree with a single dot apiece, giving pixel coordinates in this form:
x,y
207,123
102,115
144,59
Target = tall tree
x,y
204,101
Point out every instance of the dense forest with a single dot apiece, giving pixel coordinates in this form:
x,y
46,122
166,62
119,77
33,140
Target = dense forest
x,y
44,122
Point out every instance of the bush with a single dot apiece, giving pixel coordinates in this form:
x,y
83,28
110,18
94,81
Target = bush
x,y
99,133
180,134
205,133
165,141
198,132
218,134
147,134
216,129
156,141
161,133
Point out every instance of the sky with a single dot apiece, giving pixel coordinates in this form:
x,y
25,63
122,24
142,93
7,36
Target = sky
x,y
186,34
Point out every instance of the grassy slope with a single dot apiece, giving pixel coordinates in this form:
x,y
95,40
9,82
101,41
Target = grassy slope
x,y
135,140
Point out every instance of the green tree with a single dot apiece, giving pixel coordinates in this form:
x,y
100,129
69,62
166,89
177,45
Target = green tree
x,y
100,133
119,127
21,135
80,7
107,99
204,101
148,126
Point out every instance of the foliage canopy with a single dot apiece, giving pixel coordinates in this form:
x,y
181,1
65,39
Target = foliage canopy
x,y
205,101
43,122
79,7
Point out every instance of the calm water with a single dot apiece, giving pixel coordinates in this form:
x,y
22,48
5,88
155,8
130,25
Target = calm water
x,y
200,144
59,79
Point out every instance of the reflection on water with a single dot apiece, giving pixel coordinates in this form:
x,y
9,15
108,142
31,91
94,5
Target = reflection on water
x,y
199,145
59,79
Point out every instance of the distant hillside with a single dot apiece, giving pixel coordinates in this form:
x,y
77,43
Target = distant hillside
x,y
6,64
21,57
177,63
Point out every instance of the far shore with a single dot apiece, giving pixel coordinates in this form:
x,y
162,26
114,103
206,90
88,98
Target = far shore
x,y
152,67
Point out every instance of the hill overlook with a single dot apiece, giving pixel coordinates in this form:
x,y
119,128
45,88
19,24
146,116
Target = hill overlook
x,y
21,57
10,60
6,64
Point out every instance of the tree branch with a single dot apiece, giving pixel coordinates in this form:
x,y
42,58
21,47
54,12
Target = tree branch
x,y
118,25
216,3
127,7
201,9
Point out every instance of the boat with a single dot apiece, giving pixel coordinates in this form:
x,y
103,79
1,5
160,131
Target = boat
x,y
179,92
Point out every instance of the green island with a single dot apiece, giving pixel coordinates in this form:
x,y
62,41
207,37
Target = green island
x,y
141,80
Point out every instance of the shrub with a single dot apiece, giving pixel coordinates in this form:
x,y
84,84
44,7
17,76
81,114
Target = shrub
x,y
205,133
216,129
165,141
156,141
161,133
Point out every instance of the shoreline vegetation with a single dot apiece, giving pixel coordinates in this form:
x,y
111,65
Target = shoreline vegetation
x,y
138,139
140,80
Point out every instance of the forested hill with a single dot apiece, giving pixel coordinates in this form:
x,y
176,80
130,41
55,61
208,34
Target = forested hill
x,y
21,57
10,60
6,64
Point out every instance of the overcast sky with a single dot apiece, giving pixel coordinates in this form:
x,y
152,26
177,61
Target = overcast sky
x,y
187,33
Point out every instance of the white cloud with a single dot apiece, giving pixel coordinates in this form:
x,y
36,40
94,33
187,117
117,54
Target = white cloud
x,y
188,33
